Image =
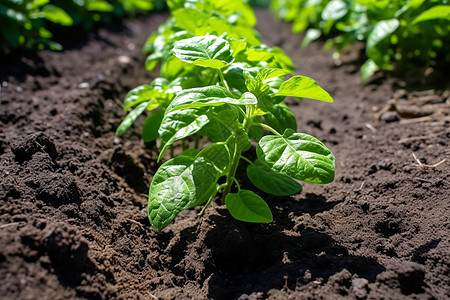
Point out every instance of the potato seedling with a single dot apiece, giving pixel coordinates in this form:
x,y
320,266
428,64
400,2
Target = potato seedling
x,y
229,87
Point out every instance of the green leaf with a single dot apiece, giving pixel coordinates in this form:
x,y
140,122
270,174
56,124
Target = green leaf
x,y
311,35
257,87
152,60
219,155
208,96
280,118
234,77
206,51
272,182
274,84
380,31
56,15
179,124
191,152
297,155
269,73
222,123
101,6
243,9
130,118
282,60
302,86
173,68
265,103
190,19
248,98
258,55
237,46
334,10
159,92
436,12
180,183
415,3
248,207
368,69
138,95
151,126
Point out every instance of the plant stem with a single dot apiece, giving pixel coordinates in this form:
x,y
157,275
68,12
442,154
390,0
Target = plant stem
x,y
197,141
268,128
247,160
200,214
248,117
237,183
223,80
231,172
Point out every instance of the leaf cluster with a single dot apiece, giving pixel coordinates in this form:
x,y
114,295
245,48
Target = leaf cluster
x,y
218,80
398,34
32,23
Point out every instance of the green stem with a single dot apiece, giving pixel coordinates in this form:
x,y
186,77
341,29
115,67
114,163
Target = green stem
x,y
248,117
242,111
237,183
247,160
268,128
231,173
223,80
226,142
200,214
197,141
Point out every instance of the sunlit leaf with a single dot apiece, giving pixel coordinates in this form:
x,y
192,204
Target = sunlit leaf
x,y
130,118
297,155
248,207
206,51
180,183
436,12
302,86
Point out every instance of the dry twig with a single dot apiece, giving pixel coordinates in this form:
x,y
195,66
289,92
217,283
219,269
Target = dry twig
x,y
423,166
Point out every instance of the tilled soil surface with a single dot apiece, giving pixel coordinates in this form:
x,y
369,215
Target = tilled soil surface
x,y
73,221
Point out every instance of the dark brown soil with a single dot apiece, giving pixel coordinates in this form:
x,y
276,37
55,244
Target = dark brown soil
x,y
73,220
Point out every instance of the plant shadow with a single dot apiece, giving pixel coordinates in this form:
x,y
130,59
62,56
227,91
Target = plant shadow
x,y
255,258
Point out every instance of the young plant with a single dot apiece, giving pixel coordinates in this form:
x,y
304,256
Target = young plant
x,y
229,87
194,177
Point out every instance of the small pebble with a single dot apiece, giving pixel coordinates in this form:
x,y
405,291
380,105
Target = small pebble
x,y
124,59
390,117
83,85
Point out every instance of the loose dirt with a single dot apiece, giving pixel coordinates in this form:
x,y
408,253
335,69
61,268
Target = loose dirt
x,y
73,221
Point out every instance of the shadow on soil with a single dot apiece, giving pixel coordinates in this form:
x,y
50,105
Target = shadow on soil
x,y
248,258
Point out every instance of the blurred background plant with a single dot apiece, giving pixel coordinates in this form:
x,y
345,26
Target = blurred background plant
x,y
32,23
398,35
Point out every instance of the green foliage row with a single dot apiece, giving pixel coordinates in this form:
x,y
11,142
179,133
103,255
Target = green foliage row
x,y
29,23
218,80
398,34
